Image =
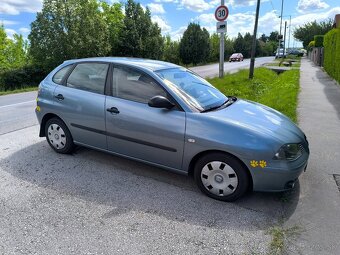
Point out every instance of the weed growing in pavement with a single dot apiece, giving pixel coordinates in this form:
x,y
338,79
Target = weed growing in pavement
x,y
280,237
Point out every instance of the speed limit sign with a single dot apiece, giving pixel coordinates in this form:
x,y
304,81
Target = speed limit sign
x,y
221,13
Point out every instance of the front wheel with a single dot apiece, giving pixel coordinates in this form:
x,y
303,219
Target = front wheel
x,y
58,136
221,177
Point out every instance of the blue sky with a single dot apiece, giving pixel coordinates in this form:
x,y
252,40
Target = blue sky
x,y
173,16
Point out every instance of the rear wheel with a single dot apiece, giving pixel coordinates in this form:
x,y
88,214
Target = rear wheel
x,y
58,136
221,177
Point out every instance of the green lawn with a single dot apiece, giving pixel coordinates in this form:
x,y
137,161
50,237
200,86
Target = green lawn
x,y
277,91
7,92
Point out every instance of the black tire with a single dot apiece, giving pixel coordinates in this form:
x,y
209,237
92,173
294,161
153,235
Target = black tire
x,y
231,163
61,141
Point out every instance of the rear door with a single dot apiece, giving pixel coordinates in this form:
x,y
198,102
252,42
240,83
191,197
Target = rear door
x,y
80,103
134,129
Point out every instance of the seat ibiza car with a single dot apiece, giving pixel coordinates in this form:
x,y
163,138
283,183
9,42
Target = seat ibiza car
x,y
165,115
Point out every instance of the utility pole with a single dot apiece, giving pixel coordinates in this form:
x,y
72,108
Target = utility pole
x,y
290,24
280,25
253,49
221,67
284,42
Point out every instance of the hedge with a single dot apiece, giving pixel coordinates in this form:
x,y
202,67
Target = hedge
x,y
27,76
332,53
318,39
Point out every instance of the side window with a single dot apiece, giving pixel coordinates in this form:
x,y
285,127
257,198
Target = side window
x,y
134,85
89,76
58,76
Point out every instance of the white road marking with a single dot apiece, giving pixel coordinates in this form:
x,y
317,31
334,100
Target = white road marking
x,y
9,105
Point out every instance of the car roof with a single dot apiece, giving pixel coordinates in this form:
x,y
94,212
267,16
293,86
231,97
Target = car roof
x,y
150,64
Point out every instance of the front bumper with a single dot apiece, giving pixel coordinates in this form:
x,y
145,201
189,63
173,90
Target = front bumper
x,y
272,179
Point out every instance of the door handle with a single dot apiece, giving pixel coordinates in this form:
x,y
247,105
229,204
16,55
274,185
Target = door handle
x,y
59,97
113,110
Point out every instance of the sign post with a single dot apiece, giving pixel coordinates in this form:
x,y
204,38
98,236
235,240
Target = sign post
x,y
221,14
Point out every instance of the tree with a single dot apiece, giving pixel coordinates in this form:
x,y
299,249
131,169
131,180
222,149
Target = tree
x,y
113,17
307,32
12,53
215,47
171,50
140,37
273,36
68,29
194,46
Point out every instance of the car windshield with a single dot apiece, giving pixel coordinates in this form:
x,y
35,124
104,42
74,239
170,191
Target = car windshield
x,y
193,89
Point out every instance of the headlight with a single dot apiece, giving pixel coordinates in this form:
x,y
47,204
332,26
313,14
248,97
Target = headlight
x,y
290,151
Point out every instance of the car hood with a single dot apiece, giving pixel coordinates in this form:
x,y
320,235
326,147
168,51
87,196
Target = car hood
x,y
260,119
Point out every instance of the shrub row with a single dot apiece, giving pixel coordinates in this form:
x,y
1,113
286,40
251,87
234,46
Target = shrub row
x,y
332,53
27,76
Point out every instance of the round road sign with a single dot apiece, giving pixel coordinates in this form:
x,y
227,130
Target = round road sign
x,y
221,13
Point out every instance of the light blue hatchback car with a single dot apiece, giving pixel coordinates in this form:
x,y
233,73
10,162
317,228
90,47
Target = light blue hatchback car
x,y
165,115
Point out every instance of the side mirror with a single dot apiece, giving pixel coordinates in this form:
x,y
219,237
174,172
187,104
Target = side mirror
x,y
160,102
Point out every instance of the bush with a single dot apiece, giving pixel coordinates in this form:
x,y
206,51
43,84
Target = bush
x,y
318,39
311,45
20,78
332,53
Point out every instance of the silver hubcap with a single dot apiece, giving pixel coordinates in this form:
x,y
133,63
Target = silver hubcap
x,y
56,136
219,178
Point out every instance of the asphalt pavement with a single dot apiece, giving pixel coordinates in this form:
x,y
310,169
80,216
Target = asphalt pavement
x,y
17,111
95,203
211,70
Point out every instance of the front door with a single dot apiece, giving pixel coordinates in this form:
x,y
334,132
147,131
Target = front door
x,y
136,130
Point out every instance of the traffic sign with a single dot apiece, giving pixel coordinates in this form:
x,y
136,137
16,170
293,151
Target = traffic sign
x,y
221,13
221,27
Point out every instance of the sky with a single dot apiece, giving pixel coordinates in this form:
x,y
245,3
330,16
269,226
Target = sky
x,y
173,16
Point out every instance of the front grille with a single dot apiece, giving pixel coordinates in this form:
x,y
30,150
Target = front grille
x,y
301,147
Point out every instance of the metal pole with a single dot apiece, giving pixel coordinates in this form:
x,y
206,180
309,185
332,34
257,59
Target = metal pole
x,y
221,67
290,23
280,24
253,49
284,42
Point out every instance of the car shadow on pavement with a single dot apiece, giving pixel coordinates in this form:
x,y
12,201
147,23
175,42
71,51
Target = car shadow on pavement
x,y
126,185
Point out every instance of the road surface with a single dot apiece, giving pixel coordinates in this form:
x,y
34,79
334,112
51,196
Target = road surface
x,y
17,111
211,70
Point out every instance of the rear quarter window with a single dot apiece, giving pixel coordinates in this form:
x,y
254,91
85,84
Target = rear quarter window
x,y
59,76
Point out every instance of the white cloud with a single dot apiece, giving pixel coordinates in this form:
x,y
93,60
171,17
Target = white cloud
x,y
166,1
161,23
311,5
156,8
24,30
195,5
206,18
14,7
8,22
176,35
242,3
10,33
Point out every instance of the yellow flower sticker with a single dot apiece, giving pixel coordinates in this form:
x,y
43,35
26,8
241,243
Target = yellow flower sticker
x,y
254,163
263,163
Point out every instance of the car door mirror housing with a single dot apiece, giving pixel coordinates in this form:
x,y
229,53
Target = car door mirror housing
x,y
160,102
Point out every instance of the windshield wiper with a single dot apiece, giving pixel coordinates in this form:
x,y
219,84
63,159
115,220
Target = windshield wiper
x,y
228,102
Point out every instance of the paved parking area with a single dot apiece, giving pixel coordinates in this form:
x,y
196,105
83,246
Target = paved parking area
x,y
95,203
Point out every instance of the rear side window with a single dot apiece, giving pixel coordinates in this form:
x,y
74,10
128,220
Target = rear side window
x,y
59,76
134,85
89,76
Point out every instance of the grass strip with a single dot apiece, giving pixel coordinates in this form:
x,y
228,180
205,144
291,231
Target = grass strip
x,y
7,92
277,91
